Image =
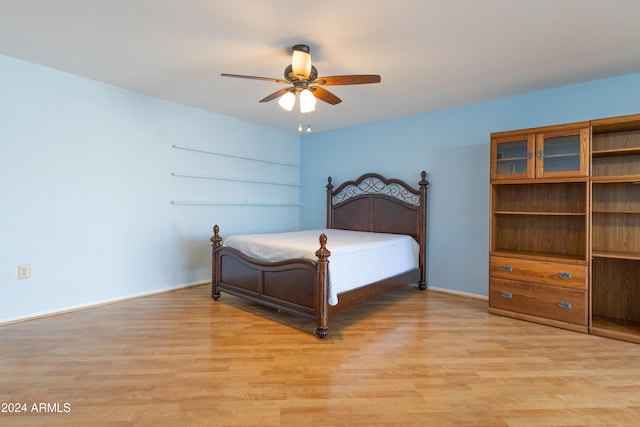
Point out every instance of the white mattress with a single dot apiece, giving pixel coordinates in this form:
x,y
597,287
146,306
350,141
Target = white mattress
x,y
357,258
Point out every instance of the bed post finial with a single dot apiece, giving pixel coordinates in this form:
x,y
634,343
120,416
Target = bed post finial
x,y
216,242
323,253
216,239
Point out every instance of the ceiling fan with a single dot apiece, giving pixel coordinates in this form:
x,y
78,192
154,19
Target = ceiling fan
x,y
302,78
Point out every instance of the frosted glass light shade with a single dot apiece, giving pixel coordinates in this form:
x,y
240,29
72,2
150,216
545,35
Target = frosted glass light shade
x,y
287,101
307,101
301,61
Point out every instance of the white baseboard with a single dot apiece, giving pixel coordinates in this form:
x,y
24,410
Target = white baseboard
x,y
459,293
33,316
41,314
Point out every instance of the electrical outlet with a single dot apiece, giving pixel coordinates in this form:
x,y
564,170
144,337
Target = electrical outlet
x,y
24,271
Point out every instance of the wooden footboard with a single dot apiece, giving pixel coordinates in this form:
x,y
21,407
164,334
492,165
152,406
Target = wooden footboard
x,y
298,286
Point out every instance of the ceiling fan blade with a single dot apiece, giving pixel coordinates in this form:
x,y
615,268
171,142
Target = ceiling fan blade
x,y
325,95
355,79
268,79
276,94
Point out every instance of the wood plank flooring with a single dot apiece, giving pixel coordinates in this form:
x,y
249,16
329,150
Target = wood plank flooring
x,y
414,358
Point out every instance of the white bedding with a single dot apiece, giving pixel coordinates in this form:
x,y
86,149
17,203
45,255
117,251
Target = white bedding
x,y
357,258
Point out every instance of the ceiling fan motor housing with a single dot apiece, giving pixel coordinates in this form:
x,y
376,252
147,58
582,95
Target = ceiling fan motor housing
x,y
301,48
290,76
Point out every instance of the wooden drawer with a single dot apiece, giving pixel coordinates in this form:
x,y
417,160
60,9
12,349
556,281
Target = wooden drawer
x,y
543,272
550,302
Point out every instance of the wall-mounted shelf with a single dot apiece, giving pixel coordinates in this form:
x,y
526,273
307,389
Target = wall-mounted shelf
x,y
220,178
235,156
215,203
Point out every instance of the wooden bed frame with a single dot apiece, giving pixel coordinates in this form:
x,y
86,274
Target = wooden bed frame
x,y
300,286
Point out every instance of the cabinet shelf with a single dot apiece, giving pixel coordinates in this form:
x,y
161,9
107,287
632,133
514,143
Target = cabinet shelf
x,y
634,256
615,152
615,328
542,256
563,155
511,159
605,211
604,179
540,213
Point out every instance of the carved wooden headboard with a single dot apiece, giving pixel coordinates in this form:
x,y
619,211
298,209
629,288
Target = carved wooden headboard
x,y
374,203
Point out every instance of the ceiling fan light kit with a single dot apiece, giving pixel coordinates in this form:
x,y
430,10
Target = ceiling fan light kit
x,y
303,79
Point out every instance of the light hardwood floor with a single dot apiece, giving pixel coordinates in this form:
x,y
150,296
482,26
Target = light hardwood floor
x,y
415,358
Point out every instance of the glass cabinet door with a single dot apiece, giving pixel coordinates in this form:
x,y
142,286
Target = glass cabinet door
x,y
562,154
512,158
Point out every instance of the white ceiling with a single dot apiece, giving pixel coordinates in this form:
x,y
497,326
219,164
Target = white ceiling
x,y
431,54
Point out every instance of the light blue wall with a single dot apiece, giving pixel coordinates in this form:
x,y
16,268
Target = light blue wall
x,y
86,187
453,147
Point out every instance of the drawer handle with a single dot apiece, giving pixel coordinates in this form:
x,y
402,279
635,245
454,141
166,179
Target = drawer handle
x,y
567,276
565,305
506,268
507,295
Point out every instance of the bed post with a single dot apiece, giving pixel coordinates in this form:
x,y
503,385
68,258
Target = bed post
x,y
329,204
216,242
422,233
322,326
